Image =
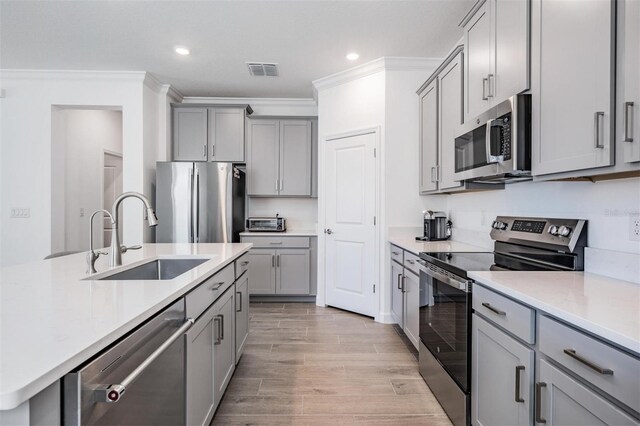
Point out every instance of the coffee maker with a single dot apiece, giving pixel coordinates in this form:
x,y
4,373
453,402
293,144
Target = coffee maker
x,y
436,226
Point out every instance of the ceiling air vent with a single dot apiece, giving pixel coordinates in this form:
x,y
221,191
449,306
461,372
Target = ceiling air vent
x,y
261,69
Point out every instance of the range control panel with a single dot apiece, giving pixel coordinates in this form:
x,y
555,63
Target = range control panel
x,y
560,233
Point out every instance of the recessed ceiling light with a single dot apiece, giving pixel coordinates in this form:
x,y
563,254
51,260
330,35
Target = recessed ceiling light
x,y
182,51
352,56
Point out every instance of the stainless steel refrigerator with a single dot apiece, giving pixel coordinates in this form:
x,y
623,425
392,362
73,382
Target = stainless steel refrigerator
x,y
199,202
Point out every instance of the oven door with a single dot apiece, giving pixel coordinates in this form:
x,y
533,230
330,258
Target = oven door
x,y
445,322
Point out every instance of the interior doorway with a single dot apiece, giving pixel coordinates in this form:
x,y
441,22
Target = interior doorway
x,y
86,173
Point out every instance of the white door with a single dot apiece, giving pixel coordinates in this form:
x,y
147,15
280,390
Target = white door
x,y
350,236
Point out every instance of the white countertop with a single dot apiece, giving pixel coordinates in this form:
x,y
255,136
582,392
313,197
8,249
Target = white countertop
x,y
287,233
406,239
606,307
52,319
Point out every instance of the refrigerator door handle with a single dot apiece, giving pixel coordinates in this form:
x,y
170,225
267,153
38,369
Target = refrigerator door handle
x,y
191,185
197,208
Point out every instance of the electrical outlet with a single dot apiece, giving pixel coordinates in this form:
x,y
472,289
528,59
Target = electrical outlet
x,y
634,228
20,213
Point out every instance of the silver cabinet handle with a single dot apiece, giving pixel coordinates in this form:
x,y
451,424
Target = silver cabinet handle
x,y
112,393
275,243
484,89
404,277
204,151
494,310
395,253
221,327
213,151
596,129
277,185
492,88
518,397
398,281
572,353
245,263
278,260
239,293
281,184
218,331
217,285
273,260
538,416
433,179
628,122
411,262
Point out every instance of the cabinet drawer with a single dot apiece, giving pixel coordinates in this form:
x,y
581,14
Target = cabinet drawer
x,y
242,264
199,299
277,242
397,254
613,371
508,314
411,262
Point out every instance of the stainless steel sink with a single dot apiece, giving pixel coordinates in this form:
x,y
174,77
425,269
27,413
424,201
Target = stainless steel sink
x,y
160,269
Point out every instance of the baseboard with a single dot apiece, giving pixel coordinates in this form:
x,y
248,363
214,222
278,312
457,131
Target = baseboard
x,y
385,318
284,299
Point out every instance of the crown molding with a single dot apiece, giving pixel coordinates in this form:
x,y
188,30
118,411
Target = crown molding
x,y
280,102
27,74
170,92
387,63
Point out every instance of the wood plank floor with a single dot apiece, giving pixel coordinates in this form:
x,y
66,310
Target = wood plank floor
x,y
307,365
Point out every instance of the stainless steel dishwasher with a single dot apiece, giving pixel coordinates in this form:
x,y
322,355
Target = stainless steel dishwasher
x,y
139,381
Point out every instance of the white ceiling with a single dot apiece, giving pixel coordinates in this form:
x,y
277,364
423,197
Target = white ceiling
x,y
308,39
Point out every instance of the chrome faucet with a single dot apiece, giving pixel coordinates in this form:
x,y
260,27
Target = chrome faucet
x,y
92,256
115,255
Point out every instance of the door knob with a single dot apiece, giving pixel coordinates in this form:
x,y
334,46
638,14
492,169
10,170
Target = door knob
x,y
328,231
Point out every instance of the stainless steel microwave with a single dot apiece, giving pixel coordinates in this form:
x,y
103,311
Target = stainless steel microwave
x,y
495,147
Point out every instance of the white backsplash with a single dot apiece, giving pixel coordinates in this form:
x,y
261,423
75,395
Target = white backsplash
x,y
300,213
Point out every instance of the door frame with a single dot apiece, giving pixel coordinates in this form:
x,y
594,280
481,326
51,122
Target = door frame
x,y
114,154
322,287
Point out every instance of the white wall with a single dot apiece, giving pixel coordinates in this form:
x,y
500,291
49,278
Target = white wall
x,y
80,138
300,213
607,206
26,149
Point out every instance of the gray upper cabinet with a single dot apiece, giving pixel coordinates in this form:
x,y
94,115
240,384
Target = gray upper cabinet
x,y
280,156
292,271
429,138
295,158
572,85
190,134
629,105
502,382
450,118
563,400
208,133
497,65
226,134
477,44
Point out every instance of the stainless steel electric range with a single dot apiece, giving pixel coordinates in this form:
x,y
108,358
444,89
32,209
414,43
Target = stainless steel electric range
x,y
521,244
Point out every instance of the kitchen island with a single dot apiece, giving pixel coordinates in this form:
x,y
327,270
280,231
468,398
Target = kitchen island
x,y
54,317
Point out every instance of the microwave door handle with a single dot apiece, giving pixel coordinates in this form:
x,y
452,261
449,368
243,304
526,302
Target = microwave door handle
x,y
491,156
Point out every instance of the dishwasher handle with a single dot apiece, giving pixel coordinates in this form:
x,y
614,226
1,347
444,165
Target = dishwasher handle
x,y
112,393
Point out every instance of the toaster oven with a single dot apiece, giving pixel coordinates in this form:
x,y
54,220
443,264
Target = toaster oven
x,y
266,224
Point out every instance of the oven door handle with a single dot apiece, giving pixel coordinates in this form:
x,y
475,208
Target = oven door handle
x,y
457,284
112,393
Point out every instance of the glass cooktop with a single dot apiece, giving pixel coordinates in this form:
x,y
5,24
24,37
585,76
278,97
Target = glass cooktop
x,y
461,263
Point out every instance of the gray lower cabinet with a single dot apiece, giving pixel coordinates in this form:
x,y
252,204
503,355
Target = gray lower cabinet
x,y
563,400
199,375
281,271
280,157
262,271
411,288
224,346
242,314
208,133
502,377
397,294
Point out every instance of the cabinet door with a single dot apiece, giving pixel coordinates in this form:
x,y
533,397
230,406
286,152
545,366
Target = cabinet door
x,y
226,134
572,85
199,360
224,342
510,61
190,134
412,307
477,37
263,157
295,158
564,401
397,295
292,271
429,138
262,271
242,314
502,377
630,104
451,116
